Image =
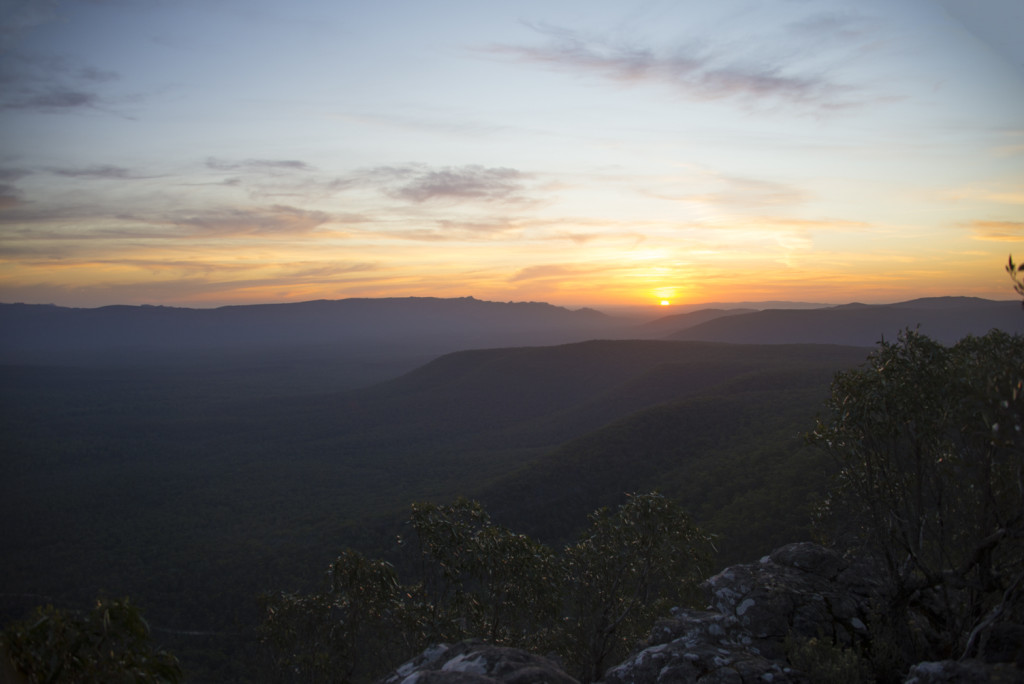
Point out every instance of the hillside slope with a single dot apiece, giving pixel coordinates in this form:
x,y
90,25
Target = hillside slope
x,y
194,491
734,448
44,333
946,319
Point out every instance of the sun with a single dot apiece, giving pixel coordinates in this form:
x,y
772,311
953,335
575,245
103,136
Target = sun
x,y
665,302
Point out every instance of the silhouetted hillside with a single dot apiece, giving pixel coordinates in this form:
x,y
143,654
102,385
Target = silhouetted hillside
x,y
730,446
946,319
669,324
38,332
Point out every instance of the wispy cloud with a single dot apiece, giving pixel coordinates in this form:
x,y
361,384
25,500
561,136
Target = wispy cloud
x,y
98,171
257,222
201,282
691,69
274,220
1000,231
1001,193
560,272
50,84
10,196
13,174
258,165
49,99
449,230
731,192
463,183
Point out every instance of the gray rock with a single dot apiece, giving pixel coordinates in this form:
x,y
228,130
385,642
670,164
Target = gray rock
x,y
704,664
473,662
799,590
963,672
811,558
802,590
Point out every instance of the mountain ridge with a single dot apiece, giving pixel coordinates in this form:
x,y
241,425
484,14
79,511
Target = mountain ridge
x,y
419,327
440,325
946,319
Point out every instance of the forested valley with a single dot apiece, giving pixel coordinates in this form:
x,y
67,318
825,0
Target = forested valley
x,y
197,484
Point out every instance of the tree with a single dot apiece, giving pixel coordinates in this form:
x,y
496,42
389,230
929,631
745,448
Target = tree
x,y
930,448
630,567
1017,276
343,633
477,579
110,643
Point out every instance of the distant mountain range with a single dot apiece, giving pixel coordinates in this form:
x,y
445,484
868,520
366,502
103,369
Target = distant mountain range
x,y
426,327
946,319
431,325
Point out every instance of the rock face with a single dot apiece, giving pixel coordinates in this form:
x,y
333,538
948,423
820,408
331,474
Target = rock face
x,y
800,590
963,672
473,662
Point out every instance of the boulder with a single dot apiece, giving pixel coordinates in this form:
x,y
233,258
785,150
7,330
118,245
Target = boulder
x,y
754,611
799,590
964,672
705,647
474,662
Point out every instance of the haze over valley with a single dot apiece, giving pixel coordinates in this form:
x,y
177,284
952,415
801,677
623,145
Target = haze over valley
x,y
193,459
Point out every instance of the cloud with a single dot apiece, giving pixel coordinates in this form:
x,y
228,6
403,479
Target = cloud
x,y
735,192
1004,193
71,214
10,196
202,283
581,238
274,220
50,84
476,183
518,227
305,271
560,271
13,174
448,230
100,171
1000,231
259,165
84,221
419,184
49,99
690,69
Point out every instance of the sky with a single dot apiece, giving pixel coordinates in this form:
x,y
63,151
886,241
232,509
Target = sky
x,y
584,153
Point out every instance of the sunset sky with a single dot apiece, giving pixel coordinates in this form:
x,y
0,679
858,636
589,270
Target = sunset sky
x,y
209,152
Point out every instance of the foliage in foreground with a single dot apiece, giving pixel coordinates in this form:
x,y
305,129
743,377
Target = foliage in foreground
x,y
1016,272
930,445
590,603
110,643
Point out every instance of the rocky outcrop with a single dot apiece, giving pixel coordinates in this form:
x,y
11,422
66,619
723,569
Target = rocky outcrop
x,y
964,672
755,613
799,590
473,662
